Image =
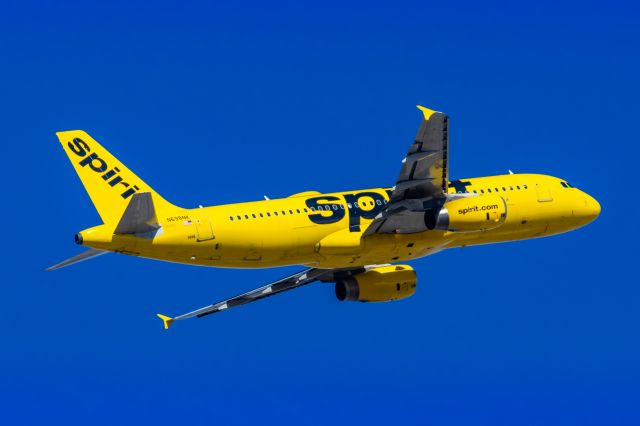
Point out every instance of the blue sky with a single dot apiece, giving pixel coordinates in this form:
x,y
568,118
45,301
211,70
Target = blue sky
x,y
215,104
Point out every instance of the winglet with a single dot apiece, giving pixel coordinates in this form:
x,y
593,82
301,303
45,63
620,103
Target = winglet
x,y
167,320
426,111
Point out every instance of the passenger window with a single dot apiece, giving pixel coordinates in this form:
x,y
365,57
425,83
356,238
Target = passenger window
x,y
275,213
482,190
518,187
283,213
475,192
511,188
253,215
268,214
378,202
497,190
356,205
231,218
349,205
335,207
238,217
489,189
504,189
298,210
290,211
524,186
305,210
261,215
246,216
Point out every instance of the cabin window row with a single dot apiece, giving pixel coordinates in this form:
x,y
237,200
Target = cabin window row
x,y
267,214
305,210
496,189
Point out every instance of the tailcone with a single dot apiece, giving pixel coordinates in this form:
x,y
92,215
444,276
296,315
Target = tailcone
x,y
100,237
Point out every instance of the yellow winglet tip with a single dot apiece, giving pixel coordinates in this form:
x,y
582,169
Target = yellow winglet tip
x,y
166,320
426,111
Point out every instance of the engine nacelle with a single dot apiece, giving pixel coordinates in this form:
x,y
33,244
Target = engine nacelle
x,y
381,284
469,214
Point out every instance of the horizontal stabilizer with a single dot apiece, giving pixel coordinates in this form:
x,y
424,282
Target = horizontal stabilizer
x,y
139,216
89,254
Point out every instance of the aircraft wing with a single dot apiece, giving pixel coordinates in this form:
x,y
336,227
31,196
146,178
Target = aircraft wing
x,y
423,179
299,279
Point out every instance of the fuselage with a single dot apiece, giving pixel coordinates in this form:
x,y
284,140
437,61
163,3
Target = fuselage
x,y
325,230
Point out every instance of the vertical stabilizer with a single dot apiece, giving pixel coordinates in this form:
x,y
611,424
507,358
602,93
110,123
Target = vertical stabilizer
x,y
110,184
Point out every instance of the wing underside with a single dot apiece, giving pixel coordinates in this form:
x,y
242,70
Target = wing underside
x,y
423,180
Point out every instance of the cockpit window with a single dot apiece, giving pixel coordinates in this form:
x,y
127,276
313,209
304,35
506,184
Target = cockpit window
x,y
564,184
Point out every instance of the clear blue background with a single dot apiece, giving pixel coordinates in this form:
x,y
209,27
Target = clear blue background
x,y
216,104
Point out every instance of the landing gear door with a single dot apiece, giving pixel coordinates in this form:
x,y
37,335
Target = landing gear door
x,y
203,227
544,195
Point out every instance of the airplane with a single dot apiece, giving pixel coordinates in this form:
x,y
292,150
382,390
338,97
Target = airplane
x,y
357,239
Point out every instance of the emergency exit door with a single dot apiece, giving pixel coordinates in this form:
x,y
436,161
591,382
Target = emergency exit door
x,y
203,227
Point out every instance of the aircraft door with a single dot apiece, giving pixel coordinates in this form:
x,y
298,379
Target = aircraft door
x,y
203,227
544,195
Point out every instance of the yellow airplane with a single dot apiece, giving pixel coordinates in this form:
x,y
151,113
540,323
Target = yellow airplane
x,y
353,238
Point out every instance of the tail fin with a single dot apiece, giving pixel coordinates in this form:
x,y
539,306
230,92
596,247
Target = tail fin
x,y
110,183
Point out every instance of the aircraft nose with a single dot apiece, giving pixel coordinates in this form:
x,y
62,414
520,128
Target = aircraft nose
x,y
589,209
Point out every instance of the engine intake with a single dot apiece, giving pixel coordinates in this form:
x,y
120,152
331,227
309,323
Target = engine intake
x,y
380,284
469,214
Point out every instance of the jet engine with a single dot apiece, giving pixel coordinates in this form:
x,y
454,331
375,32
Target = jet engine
x,y
469,214
381,284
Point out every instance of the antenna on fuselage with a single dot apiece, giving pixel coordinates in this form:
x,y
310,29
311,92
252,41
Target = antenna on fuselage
x,y
266,198
510,172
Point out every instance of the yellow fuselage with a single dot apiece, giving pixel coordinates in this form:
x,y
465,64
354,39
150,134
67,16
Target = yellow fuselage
x,y
325,230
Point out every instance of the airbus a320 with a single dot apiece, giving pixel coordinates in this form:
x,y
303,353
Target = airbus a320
x,y
360,239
